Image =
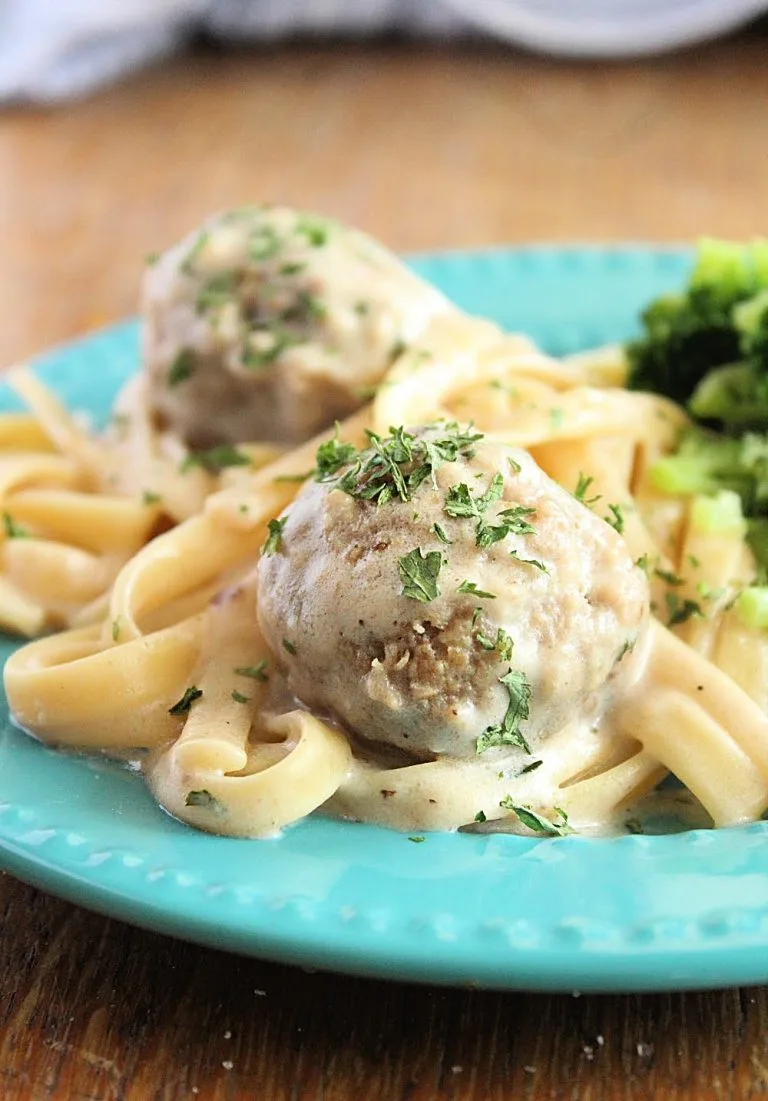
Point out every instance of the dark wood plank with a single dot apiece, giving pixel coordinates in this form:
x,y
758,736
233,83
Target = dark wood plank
x,y
94,1010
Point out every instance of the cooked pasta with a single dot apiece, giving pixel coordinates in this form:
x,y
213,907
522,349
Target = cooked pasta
x,y
468,606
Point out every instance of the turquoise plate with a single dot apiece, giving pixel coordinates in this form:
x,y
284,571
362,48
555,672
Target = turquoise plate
x,y
627,913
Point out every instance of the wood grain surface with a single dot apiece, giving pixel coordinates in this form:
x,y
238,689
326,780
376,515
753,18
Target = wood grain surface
x,y
424,148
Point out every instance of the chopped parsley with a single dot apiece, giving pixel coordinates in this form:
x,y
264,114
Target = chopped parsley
x,y
12,529
514,521
417,840
308,307
668,576
502,644
481,816
255,672
189,261
182,706
204,799
263,243
331,456
508,732
238,697
215,459
151,259
460,502
627,648
440,533
529,561
314,230
419,573
643,563
531,767
289,646
257,357
582,489
536,822
362,307
116,629
216,292
680,611
291,269
272,542
182,367
471,588
616,519
514,465
149,497
396,465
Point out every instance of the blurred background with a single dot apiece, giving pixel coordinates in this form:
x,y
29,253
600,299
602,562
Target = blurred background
x,y
429,123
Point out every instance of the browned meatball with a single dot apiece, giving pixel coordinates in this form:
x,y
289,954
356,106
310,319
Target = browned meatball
x,y
488,604
269,324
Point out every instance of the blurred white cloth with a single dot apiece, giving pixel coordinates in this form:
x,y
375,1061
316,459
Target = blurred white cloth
x,y
52,49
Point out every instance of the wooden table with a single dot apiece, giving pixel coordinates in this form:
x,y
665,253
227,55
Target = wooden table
x,y
424,149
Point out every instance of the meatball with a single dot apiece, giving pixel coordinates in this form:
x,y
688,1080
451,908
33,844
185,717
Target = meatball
x,y
269,324
444,596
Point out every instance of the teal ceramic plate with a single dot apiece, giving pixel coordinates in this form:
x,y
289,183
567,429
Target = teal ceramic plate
x,y
628,913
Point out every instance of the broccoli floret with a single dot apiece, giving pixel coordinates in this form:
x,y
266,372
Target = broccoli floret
x,y
719,321
736,395
707,463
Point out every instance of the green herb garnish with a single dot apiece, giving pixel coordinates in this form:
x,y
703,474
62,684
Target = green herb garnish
x,y
182,367
189,261
272,542
530,767
481,816
255,358
582,488
215,459
419,573
502,643
204,799
396,465
440,533
529,561
616,519
289,646
680,611
471,589
263,243
291,269
219,290
314,230
12,529
238,697
331,456
668,576
536,822
182,706
508,732
149,497
255,672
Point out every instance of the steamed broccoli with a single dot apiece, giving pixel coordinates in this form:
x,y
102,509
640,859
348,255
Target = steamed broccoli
x,y
707,347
